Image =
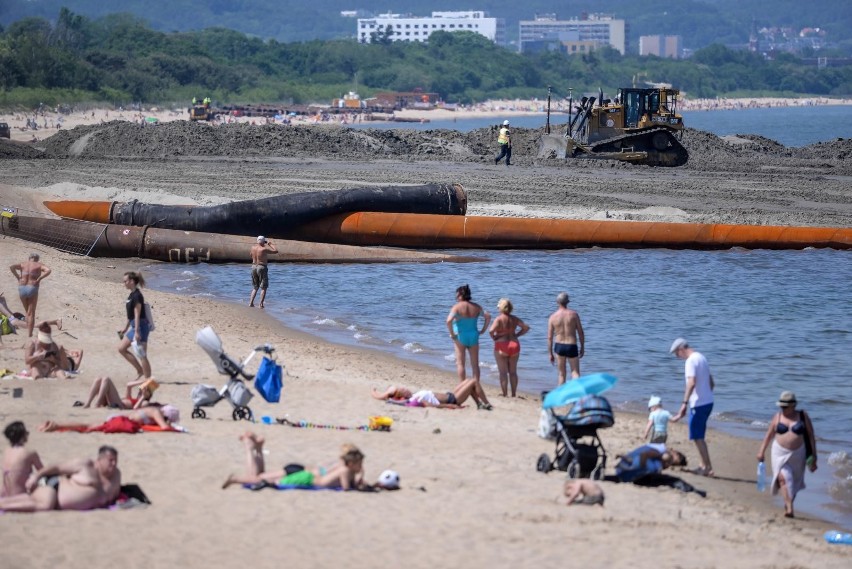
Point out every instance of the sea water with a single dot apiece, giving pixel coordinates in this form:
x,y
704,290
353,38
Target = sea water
x,y
791,126
768,321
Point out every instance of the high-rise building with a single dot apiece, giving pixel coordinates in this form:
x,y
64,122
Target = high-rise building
x,y
575,35
411,28
661,46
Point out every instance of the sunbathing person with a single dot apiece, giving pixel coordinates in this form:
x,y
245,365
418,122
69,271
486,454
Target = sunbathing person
x,y
348,474
647,459
583,492
82,484
18,461
45,358
165,417
104,394
393,393
445,400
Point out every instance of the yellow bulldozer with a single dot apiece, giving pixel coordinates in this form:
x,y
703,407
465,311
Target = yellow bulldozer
x,y
639,126
201,112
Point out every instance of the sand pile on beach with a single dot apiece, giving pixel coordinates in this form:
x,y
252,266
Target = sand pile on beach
x,y
178,139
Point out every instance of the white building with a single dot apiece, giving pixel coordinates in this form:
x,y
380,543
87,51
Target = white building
x,y
661,46
411,28
546,32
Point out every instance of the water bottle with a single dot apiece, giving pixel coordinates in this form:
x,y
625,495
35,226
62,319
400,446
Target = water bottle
x,y
761,476
834,536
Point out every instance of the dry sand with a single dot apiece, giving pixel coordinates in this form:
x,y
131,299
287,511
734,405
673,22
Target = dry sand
x,y
471,495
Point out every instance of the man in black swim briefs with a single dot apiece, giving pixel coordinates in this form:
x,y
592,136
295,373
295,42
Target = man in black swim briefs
x,y
565,338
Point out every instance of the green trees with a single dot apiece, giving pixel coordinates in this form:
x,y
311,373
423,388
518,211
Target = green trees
x,y
120,58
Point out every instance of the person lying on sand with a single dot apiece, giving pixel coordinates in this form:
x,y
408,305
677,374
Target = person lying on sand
x,y
82,484
647,459
348,474
165,417
45,358
445,400
392,393
103,393
18,461
583,492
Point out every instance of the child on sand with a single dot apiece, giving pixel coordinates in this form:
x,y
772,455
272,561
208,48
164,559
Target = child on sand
x,y
658,420
18,462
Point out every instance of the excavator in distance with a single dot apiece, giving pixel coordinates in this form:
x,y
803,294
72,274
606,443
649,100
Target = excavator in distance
x,y
639,127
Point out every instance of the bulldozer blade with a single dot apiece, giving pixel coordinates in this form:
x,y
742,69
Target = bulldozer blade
x,y
553,146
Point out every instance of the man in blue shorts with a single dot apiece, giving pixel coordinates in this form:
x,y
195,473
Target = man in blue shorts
x,y
697,399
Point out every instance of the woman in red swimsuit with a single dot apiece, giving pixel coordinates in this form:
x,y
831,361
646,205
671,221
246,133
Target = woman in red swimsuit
x,y
505,331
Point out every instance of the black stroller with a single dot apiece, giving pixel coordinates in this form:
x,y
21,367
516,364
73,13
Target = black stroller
x,y
235,391
579,449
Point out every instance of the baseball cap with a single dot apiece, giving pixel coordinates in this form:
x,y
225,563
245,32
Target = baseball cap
x,y
261,239
679,343
654,401
506,122
389,479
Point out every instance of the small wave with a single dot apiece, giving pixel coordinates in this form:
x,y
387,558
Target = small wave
x,y
325,322
360,335
203,295
352,328
412,347
841,460
450,358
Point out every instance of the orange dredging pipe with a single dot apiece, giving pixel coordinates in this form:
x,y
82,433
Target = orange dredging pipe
x,y
428,231
453,231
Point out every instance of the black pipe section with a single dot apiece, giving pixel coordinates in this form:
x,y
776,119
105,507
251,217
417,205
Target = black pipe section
x,y
271,216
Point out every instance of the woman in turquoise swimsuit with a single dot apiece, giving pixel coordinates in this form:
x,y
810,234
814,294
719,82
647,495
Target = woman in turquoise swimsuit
x,y
462,323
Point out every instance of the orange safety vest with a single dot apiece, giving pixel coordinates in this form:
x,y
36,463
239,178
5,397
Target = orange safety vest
x,y
504,136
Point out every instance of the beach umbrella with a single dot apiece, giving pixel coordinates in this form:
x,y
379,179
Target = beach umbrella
x,y
570,391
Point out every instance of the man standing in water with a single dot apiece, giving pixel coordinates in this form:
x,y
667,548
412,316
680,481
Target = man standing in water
x,y
697,399
259,270
564,333
82,484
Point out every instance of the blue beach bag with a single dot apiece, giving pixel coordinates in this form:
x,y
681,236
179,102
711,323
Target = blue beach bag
x,y
267,381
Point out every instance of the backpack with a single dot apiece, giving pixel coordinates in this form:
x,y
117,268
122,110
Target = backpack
x,y
5,326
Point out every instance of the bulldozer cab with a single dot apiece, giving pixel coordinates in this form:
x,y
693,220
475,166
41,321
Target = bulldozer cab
x,y
650,107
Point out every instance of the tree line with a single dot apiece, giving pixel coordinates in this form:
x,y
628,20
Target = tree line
x,y
119,58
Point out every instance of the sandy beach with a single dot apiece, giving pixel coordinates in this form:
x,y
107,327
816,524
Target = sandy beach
x,y
50,122
470,493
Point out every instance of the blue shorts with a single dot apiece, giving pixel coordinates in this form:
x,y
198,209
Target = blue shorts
x,y
143,331
698,421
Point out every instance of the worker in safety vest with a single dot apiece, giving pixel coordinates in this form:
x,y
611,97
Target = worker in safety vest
x,y
504,140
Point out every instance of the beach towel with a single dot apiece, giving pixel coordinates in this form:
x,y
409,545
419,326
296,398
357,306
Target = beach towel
x,y
118,424
262,485
791,465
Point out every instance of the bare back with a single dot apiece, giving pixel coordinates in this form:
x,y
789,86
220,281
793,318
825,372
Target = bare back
x,y
30,272
564,326
259,254
18,463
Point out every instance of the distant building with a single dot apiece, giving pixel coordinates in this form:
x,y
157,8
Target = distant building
x,y
411,28
661,46
587,33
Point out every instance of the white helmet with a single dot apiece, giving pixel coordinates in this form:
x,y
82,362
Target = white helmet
x,y
506,122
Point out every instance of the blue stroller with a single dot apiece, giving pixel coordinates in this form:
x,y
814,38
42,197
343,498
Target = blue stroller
x,y
579,450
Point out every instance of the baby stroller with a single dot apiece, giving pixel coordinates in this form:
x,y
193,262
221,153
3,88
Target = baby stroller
x,y
579,449
235,391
